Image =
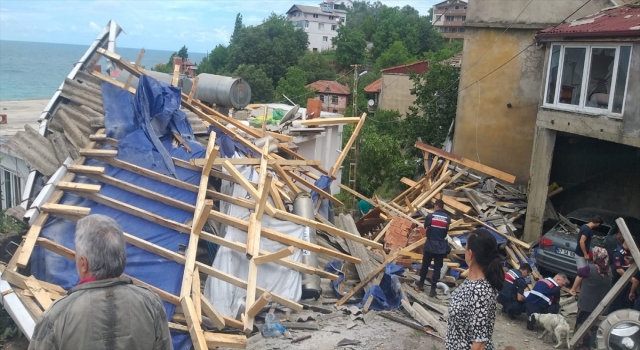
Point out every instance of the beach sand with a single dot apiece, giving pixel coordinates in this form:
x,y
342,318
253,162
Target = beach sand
x,y
20,113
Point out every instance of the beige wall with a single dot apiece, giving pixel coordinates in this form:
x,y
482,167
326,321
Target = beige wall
x,y
395,93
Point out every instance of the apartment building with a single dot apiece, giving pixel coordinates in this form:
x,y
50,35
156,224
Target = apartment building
x,y
449,17
320,22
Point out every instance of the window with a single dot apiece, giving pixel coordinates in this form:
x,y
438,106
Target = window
x,y
334,99
464,18
322,98
315,49
438,18
320,26
448,18
333,27
591,78
457,7
325,39
331,18
10,188
315,16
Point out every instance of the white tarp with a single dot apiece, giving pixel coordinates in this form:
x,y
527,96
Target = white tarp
x,y
227,298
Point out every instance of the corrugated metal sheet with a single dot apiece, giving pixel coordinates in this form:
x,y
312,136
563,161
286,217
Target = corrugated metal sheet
x,y
622,21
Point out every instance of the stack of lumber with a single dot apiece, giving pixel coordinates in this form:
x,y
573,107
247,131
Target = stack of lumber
x,y
268,196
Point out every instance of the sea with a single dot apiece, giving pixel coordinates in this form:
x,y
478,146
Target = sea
x,y
32,70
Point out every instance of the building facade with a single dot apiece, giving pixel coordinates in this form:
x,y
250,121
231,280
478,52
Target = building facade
x,y
333,95
449,17
320,22
393,90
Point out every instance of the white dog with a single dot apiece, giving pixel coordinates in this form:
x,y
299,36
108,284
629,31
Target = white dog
x,y
554,324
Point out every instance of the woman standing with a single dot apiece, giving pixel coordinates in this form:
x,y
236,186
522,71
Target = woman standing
x,y
472,310
596,283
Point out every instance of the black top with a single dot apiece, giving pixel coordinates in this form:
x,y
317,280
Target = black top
x,y
586,231
514,284
437,225
619,262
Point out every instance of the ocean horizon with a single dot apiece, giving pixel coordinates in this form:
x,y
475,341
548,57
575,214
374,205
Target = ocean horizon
x,y
35,70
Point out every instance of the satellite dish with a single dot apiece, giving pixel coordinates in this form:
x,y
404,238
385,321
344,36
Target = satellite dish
x,y
371,103
292,112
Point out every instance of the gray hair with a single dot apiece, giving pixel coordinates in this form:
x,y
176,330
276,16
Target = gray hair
x,y
99,238
563,276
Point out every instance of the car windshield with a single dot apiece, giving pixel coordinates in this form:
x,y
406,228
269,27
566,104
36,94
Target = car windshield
x,y
601,230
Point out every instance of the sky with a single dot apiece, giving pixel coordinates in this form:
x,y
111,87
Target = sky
x,y
160,25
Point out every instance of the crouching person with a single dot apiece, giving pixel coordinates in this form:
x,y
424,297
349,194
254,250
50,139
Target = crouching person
x,y
104,311
512,294
545,297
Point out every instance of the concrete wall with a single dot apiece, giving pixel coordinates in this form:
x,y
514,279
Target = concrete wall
x,y
324,147
486,130
328,106
395,93
539,14
315,34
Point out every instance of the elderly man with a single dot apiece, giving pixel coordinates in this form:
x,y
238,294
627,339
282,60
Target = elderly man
x,y
545,297
104,311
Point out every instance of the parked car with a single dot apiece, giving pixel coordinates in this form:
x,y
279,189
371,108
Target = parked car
x,y
556,249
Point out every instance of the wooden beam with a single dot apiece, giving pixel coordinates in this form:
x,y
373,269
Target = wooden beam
x,y
98,152
382,232
264,299
347,147
242,181
329,121
408,182
102,138
466,162
510,238
213,314
176,75
282,253
135,65
284,177
275,195
63,209
366,280
85,169
192,92
197,335
315,188
38,292
264,120
288,151
221,340
77,187
453,203
255,161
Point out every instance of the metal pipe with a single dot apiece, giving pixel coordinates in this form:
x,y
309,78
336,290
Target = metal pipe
x,y
221,90
303,206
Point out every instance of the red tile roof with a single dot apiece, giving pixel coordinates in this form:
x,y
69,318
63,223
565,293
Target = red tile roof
x,y
415,67
330,87
622,21
374,87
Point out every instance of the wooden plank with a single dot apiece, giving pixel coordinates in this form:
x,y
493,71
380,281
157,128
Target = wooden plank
x,y
38,292
242,181
85,169
102,138
213,314
98,152
471,184
329,121
220,340
275,195
315,188
64,209
288,151
29,304
408,182
282,253
347,147
382,232
196,294
127,84
459,174
453,203
176,75
264,299
77,187
192,92
197,335
255,161
466,162
264,120
512,239
358,195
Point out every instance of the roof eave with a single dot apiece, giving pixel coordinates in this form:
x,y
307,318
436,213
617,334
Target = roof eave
x,y
614,36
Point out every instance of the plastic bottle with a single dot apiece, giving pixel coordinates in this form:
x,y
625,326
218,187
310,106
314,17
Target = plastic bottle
x,y
272,328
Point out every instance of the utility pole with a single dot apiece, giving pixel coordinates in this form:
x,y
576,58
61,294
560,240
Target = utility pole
x,y
354,153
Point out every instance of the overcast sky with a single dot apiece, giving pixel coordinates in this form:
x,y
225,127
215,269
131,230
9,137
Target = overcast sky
x,y
163,25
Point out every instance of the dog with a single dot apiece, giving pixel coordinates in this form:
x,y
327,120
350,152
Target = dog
x,y
554,324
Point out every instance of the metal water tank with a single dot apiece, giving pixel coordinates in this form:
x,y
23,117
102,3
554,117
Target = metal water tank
x,y
164,77
303,206
221,90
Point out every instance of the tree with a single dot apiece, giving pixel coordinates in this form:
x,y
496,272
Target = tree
x,y
183,53
272,46
350,46
293,85
435,106
368,27
316,67
237,27
395,55
215,62
261,88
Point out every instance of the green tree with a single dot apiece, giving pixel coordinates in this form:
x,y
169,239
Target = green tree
x,y
261,88
449,50
237,27
368,27
395,55
350,46
434,109
272,46
183,53
215,62
316,67
293,85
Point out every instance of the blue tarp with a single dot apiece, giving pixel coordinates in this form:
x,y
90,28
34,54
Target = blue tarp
x,y
386,295
143,124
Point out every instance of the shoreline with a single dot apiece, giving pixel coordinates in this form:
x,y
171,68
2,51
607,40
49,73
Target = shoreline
x,y
20,112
